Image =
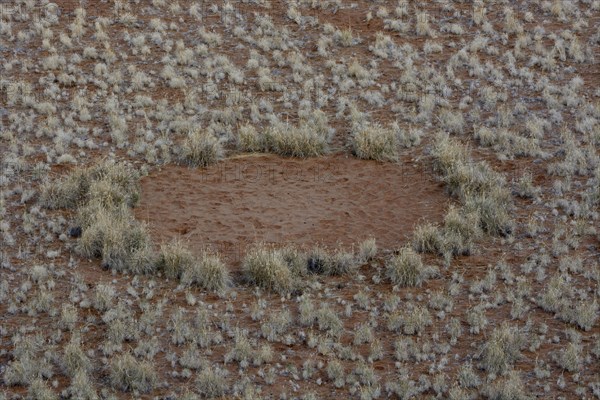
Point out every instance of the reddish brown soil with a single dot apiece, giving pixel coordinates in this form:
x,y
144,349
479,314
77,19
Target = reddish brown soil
x,y
335,200
230,205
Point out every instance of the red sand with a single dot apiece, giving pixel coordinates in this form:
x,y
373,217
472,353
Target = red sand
x,y
335,200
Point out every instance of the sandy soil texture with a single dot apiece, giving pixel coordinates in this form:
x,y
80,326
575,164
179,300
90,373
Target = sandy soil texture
x,y
463,311
334,200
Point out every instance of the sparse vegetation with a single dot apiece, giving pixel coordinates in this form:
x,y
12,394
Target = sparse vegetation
x,y
487,281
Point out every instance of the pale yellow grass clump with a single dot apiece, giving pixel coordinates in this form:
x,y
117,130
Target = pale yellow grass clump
x,y
201,148
406,269
295,141
375,142
309,138
477,185
267,268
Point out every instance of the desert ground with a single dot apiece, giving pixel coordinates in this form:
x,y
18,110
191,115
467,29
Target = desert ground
x,y
299,199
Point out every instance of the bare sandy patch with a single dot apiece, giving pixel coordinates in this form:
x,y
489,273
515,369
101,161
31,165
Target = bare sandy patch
x,y
332,201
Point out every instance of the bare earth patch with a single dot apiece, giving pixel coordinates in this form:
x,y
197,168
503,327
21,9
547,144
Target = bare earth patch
x,y
335,200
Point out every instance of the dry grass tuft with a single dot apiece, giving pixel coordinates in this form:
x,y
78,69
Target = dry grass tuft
x,y
375,142
209,272
201,148
266,267
174,259
406,268
129,374
295,141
